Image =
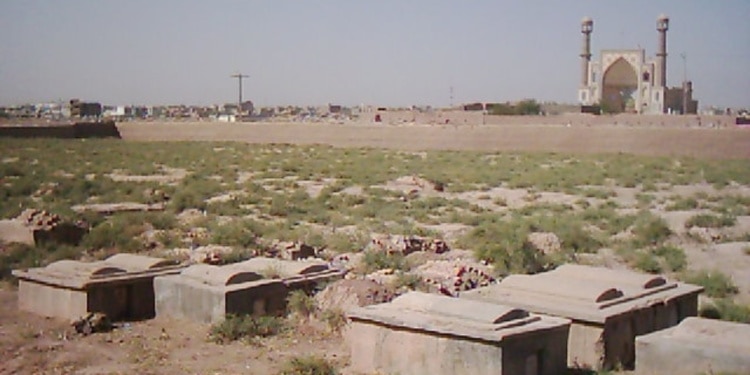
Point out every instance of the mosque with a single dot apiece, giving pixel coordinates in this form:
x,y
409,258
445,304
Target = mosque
x,y
624,80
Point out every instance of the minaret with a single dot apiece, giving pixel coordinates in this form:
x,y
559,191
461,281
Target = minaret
x,y
587,26
662,25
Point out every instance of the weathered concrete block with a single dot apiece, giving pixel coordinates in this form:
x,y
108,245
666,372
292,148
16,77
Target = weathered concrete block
x,y
120,287
695,346
609,308
420,333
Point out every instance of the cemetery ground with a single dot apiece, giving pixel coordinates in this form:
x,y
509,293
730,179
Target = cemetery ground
x,y
687,217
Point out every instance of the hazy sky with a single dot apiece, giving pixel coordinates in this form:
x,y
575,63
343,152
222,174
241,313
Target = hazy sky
x,y
386,52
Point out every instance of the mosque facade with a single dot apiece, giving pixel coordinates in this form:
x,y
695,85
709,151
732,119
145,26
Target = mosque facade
x,y
626,80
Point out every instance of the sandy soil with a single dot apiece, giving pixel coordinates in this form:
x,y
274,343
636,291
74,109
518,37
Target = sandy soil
x,y
34,345
711,143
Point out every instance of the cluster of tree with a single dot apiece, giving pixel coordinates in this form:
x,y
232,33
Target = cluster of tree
x,y
523,108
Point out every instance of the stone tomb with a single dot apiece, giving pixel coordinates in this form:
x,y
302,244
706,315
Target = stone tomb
x,y
419,333
120,287
207,293
609,308
299,274
695,346
259,286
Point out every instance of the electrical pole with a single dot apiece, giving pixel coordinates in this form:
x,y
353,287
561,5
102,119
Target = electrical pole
x,y
684,66
239,77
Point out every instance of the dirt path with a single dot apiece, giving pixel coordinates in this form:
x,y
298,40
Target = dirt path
x,y
709,143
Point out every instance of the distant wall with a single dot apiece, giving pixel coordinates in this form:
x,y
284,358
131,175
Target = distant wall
x,y
573,119
106,129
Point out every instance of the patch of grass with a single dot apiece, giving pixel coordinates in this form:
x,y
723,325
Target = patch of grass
x,y
726,309
717,284
245,327
308,365
408,280
301,304
343,242
674,257
119,232
648,263
710,221
598,193
682,204
379,260
649,229
335,319
235,256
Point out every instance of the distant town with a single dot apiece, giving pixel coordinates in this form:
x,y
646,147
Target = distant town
x,y
246,111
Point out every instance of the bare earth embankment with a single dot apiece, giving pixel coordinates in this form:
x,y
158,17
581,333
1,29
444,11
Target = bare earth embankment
x,y
700,143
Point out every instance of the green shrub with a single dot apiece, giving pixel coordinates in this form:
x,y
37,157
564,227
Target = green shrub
x,y
301,304
717,284
674,257
683,204
726,309
342,242
647,262
649,230
408,280
309,365
245,327
710,221
379,260
335,318
118,232
235,256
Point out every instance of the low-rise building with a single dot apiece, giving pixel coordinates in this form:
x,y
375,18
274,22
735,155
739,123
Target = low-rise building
x,y
695,346
609,308
419,333
120,286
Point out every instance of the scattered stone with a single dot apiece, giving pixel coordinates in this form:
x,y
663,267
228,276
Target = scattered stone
x,y
92,323
545,242
349,293
451,277
34,226
405,245
706,235
290,250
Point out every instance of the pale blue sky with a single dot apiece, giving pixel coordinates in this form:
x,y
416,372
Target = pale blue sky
x,y
385,52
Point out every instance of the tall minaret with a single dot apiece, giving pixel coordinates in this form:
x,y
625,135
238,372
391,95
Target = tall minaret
x,y
587,26
662,25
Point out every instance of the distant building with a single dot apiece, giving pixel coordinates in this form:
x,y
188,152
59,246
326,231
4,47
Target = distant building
x,y
623,80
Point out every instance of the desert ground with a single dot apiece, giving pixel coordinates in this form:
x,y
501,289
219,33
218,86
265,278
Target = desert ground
x,y
661,200
674,140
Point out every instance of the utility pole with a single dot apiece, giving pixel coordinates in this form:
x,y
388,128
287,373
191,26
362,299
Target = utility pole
x,y
684,66
451,96
239,77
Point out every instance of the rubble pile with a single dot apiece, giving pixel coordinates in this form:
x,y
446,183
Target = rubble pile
x,y
48,227
405,245
290,250
39,219
451,277
348,293
92,323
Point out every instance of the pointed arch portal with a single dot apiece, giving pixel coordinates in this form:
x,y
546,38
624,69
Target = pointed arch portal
x,y
620,82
